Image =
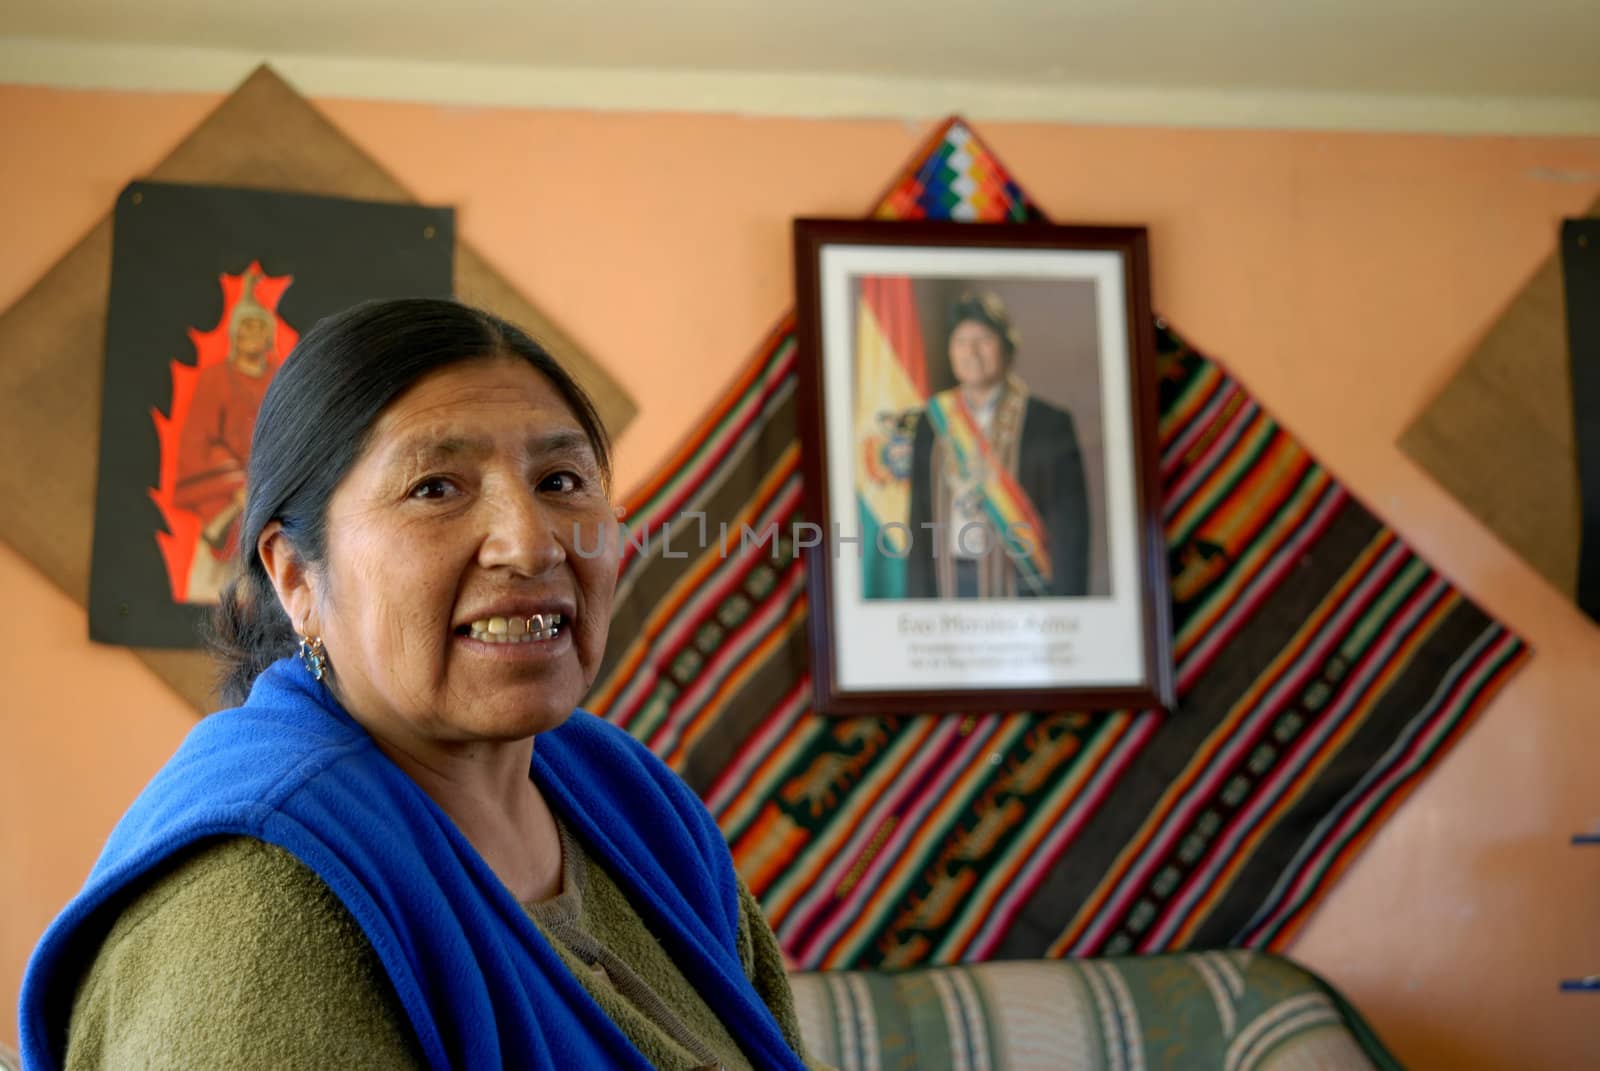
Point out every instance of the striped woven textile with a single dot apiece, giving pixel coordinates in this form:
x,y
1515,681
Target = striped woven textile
x,y
1322,669
1234,1011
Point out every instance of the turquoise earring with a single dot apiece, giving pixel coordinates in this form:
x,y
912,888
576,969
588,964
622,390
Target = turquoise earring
x,y
314,656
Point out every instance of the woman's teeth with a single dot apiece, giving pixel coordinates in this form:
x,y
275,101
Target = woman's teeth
x,y
516,629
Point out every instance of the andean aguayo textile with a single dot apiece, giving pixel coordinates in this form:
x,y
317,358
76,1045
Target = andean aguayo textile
x,y
1322,668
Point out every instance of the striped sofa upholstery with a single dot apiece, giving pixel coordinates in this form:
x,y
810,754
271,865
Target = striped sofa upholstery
x,y
1235,1011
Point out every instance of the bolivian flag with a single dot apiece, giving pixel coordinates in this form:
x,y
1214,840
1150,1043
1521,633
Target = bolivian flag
x,y
891,385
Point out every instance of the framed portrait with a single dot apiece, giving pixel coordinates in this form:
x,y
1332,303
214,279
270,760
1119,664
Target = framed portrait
x,y
978,423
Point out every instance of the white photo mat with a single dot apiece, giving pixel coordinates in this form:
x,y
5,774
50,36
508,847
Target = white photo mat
x,y
912,645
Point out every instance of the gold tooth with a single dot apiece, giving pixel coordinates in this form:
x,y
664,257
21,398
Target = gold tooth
x,y
547,627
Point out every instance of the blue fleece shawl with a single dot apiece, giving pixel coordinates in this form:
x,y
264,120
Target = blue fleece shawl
x,y
481,986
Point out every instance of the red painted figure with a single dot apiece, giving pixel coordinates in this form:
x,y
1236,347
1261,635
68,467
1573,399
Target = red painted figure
x,y
215,444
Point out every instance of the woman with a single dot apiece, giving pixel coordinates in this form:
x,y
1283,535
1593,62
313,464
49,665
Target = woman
x,y
996,476
403,847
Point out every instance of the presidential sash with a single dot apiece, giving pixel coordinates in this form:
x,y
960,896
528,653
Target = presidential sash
x,y
981,472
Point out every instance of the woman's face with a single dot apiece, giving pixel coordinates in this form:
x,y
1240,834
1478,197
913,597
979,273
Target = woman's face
x,y
977,355
471,560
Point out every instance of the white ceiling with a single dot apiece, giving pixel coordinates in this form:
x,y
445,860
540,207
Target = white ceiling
x,y
1528,64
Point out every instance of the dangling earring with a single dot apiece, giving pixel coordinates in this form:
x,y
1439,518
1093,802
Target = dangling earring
x,y
314,656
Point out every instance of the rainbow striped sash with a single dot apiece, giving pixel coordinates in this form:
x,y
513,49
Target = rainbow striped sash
x,y
1003,501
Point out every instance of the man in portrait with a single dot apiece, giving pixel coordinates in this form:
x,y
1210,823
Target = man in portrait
x,y
998,503
215,444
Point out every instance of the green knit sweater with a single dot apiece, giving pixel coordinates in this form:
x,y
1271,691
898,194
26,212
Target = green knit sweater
x,y
241,957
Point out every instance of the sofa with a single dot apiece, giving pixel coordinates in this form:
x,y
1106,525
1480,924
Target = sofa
x,y
1232,1010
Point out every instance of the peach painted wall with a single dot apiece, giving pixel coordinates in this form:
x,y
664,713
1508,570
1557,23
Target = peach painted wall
x,y
1341,277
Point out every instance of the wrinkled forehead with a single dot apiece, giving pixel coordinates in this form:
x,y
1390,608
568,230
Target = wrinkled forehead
x,y
445,444
475,409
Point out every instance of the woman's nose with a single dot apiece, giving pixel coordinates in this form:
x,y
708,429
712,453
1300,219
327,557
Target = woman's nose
x,y
520,534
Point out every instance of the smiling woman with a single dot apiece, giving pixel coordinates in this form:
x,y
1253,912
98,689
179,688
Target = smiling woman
x,y
467,505
405,847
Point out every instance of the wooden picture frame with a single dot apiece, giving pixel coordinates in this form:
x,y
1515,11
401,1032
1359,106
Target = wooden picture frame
x,y
978,422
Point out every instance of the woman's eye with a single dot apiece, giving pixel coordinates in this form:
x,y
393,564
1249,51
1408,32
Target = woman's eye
x,y
565,482
433,487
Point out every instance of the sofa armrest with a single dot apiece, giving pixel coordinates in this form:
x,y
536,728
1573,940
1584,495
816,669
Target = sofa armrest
x,y
1233,1009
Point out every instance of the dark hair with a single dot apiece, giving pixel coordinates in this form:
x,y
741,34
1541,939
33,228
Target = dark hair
x,y
313,425
987,309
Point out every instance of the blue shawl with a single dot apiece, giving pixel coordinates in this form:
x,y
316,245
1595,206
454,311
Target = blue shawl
x,y
481,986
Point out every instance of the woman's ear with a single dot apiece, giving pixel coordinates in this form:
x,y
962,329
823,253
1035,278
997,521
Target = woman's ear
x,y
290,577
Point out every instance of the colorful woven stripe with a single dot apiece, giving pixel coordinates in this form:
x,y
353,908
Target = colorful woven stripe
x,y
1005,503
956,177
1322,669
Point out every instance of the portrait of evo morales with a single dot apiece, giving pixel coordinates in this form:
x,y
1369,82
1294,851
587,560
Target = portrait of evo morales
x,y
979,466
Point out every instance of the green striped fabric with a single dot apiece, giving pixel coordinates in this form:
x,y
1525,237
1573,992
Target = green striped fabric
x,y
1234,1011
